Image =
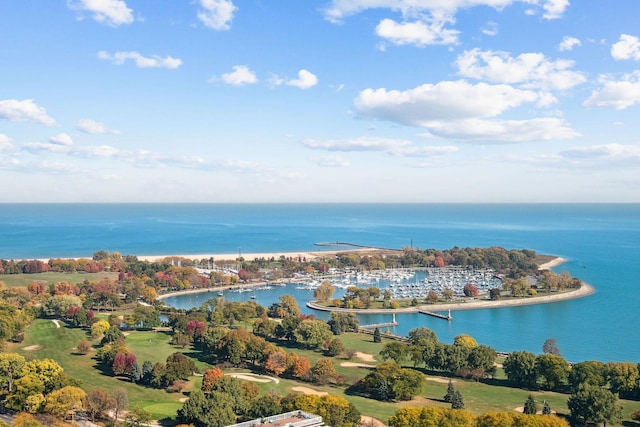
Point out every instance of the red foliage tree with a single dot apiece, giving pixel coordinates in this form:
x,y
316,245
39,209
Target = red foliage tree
x,y
119,366
196,328
210,377
470,290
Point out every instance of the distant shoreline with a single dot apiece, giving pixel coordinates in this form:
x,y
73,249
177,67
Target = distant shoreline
x,y
584,290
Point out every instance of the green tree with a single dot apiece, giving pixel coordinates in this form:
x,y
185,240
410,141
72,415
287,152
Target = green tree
x,y
394,350
334,348
590,372
520,367
202,411
553,369
457,401
623,377
313,333
530,406
592,404
450,390
377,336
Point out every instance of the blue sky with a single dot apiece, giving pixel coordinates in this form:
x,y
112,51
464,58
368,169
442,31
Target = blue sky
x,y
319,101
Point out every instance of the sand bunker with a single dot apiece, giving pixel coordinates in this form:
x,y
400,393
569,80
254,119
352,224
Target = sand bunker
x,y
356,365
32,348
439,380
521,410
366,421
365,356
255,378
307,390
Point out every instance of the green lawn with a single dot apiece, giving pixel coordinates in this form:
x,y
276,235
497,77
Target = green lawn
x,y
13,280
59,344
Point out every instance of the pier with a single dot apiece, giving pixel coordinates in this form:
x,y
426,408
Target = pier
x,y
381,325
438,315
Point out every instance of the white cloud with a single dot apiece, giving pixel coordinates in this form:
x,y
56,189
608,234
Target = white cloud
x,y
357,144
395,147
503,131
338,10
91,126
619,94
5,143
490,29
418,33
447,100
61,139
532,70
568,43
305,80
554,9
217,14
331,161
241,75
155,61
617,151
628,47
109,12
24,110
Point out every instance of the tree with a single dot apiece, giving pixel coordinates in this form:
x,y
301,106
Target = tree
x,y
313,333
11,365
465,341
622,377
213,411
276,362
334,348
119,402
495,294
546,408
25,420
84,347
377,336
457,402
210,378
324,372
96,402
99,328
470,290
60,402
590,372
530,406
550,346
553,369
592,404
450,390
432,297
324,292
137,417
520,367
395,351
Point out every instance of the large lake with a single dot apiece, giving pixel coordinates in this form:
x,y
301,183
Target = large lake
x,y
601,242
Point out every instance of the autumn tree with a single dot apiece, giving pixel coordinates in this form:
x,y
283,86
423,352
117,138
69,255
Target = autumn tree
x,y
119,402
324,292
97,402
324,372
550,346
210,377
60,402
470,290
11,365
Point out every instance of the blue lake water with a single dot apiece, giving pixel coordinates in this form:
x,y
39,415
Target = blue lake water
x,y
601,242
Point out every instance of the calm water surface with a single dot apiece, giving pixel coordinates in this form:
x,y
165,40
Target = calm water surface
x,y
601,242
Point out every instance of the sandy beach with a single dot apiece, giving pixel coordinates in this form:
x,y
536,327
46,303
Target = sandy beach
x,y
266,255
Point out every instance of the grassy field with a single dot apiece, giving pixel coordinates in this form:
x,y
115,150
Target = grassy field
x,y
45,340
13,280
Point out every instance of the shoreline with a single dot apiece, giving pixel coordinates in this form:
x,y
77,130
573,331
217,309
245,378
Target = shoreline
x,y
584,291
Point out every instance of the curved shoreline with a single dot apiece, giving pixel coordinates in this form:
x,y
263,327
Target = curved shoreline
x,y
584,290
